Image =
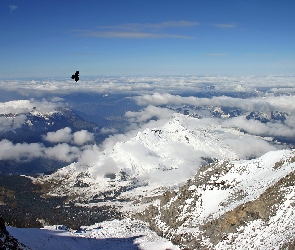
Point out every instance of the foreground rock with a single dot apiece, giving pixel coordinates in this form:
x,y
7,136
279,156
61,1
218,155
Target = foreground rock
x,y
7,241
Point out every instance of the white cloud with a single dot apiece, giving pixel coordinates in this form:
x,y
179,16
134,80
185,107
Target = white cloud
x,y
106,166
65,135
63,152
83,136
57,99
272,103
249,146
154,94
11,123
20,151
25,106
149,85
28,151
61,135
290,121
91,154
272,129
16,107
105,130
149,113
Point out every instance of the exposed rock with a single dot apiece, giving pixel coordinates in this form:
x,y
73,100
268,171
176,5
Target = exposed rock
x,y
7,241
231,205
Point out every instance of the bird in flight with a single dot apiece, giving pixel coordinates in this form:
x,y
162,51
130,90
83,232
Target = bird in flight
x,y
76,76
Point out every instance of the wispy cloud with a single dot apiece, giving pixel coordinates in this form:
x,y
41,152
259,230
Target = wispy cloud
x,y
140,30
12,8
153,26
217,54
225,25
261,54
120,34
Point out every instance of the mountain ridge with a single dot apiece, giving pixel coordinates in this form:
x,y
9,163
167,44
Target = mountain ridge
x,y
201,215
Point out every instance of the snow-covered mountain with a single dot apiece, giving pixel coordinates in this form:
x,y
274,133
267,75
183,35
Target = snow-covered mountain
x,y
232,205
165,155
237,204
243,177
217,209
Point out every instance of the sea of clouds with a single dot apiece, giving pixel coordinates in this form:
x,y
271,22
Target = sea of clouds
x,y
150,85
156,96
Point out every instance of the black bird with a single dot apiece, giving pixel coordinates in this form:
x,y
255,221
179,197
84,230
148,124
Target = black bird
x,y
76,76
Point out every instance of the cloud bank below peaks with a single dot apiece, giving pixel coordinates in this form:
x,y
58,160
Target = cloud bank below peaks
x,y
152,84
269,103
25,106
63,151
266,106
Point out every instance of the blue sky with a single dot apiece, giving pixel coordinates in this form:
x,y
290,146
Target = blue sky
x,y
138,37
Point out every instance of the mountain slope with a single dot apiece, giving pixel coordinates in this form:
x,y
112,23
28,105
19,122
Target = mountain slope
x,y
158,155
217,208
232,205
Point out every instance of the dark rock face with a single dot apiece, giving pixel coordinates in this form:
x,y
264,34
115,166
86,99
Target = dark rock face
x,y
7,241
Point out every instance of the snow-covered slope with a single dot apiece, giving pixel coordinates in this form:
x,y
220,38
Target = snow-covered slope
x,y
217,208
238,204
232,205
7,241
115,235
211,210
165,155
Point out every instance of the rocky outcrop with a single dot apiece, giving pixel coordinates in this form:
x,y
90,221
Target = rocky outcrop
x,y
231,205
8,242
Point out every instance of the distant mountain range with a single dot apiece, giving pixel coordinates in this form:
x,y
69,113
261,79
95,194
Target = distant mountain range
x,y
38,123
31,127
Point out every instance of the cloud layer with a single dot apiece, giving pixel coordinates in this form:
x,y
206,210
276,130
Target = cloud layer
x,y
258,85
271,103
